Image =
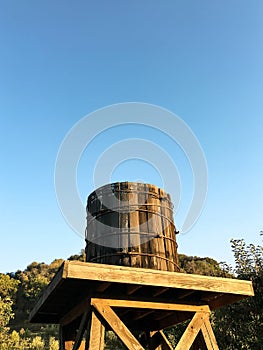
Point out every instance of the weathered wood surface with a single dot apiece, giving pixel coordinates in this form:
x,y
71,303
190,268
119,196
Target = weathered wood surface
x,y
102,312
150,305
191,331
138,228
96,334
144,277
76,281
117,325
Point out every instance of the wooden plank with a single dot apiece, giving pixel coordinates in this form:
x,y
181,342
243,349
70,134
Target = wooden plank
x,y
96,334
191,331
134,229
150,305
123,274
164,264
153,242
117,326
168,247
144,246
124,225
209,336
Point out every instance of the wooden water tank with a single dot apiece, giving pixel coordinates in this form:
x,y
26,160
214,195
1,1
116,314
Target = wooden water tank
x,y
131,224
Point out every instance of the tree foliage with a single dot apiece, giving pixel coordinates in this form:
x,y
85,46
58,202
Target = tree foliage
x,y
8,288
240,325
201,266
18,293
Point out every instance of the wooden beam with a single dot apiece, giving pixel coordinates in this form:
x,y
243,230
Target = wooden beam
x,y
96,334
117,325
209,336
89,276
191,331
132,275
151,305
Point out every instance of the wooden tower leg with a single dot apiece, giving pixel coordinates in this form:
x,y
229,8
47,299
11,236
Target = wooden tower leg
x,y
209,336
96,334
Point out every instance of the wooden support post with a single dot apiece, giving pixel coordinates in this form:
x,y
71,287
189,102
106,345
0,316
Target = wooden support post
x,y
96,334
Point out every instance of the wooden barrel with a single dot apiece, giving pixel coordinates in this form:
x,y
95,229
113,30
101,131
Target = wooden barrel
x,y
131,224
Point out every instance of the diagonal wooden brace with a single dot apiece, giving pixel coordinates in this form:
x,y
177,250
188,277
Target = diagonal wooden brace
x,y
117,325
209,336
200,321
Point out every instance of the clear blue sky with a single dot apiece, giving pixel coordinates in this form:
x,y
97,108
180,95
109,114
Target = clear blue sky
x,y
62,60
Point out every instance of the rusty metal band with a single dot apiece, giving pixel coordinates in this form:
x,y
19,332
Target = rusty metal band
x,y
128,254
116,233
132,206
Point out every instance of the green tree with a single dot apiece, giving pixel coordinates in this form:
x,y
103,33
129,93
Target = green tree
x,y
240,325
8,288
201,266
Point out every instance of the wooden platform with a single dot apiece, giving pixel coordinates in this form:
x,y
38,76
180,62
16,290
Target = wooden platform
x,y
77,282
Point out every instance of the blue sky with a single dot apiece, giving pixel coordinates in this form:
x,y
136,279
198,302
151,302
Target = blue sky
x,y
62,60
